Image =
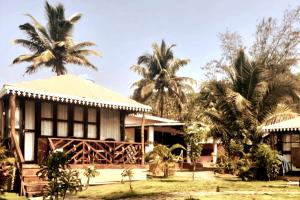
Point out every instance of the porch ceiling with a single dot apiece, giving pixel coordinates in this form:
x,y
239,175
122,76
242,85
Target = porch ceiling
x,y
288,125
73,89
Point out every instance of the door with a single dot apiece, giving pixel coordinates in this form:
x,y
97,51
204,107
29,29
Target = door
x,y
29,132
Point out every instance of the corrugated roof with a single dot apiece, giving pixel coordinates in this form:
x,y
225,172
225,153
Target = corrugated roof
x,y
73,89
288,125
150,120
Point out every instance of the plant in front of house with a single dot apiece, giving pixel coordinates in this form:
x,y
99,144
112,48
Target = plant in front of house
x,y
195,133
61,179
6,167
267,163
90,172
162,159
128,172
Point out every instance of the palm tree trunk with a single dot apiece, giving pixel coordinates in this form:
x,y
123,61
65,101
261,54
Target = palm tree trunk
x,y
161,109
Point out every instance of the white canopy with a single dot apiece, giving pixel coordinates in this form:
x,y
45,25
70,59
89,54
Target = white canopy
x,y
288,125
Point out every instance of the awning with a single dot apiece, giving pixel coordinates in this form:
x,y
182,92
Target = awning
x,y
73,89
288,125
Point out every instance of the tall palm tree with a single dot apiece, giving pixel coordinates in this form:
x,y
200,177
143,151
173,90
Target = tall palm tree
x,y
53,46
159,79
251,96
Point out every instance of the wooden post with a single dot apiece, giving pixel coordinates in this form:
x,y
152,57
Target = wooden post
x,y
143,138
12,122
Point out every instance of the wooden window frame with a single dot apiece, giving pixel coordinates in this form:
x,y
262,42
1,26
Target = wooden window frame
x,y
91,123
52,119
57,120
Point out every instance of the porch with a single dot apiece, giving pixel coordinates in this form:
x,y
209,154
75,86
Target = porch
x,y
85,151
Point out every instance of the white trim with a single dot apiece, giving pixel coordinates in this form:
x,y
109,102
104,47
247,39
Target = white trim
x,y
8,89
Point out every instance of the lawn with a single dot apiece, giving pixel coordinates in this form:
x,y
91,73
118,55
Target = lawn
x,y
182,187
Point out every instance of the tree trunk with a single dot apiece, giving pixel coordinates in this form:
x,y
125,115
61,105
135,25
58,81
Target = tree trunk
x,y
143,138
130,186
194,169
161,109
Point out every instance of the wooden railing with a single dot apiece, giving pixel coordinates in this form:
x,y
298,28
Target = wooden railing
x,y
84,151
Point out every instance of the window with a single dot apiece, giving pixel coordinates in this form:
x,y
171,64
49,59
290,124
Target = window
x,y
47,119
92,123
289,142
78,122
62,120
110,124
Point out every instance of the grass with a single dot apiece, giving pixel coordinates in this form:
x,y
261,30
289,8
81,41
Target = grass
x,y
183,188
11,196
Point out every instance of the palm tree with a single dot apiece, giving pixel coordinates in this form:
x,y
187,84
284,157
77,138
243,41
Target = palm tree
x,y
159,79
162,159
252,95
53,46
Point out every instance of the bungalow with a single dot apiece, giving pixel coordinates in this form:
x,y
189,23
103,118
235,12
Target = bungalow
x,y
160,130
69,113
285,138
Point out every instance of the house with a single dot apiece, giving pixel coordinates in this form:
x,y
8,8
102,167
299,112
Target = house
x,y
160,130
285,138
71,114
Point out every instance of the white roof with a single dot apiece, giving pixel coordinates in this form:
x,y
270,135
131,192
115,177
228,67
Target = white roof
x,y
288,125
73,89
150,120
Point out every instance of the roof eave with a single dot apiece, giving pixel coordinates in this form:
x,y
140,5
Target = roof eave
x,y
8,89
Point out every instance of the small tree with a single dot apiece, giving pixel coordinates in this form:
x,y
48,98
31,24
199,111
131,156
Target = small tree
x,y
194,135
128,172
61,179
90,172
162,158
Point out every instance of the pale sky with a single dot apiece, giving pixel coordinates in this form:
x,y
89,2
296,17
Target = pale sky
x,y
125,29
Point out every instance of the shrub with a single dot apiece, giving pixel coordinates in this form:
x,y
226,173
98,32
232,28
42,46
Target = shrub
x,y
267,163
61,179
6,167
161,159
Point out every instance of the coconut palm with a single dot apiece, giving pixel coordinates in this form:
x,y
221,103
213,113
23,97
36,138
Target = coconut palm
x,y
53,46
251,96
159,79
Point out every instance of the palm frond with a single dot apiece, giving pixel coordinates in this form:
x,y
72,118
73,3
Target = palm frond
x,y
39,27
24,58
29,44
83,45
75,17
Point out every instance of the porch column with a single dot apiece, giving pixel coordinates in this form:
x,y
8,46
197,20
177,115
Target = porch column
x,y
12,123
215,152
143,138
150,138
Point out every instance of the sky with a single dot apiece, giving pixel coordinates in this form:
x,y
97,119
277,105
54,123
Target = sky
x,y
126,29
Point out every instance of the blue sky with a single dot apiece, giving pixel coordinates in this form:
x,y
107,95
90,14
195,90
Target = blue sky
x,y
125,29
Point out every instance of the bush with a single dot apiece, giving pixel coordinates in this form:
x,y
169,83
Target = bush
x,y
261,164
267,163
61,179
6,167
